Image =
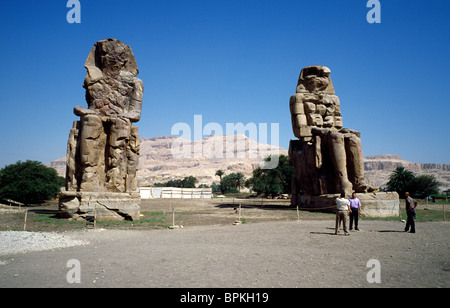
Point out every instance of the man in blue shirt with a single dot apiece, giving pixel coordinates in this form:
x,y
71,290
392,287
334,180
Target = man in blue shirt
x,y
355,206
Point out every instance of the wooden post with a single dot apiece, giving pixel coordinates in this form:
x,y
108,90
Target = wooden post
x,y
173,217
298,214
239,212
25,221
443,211
95,215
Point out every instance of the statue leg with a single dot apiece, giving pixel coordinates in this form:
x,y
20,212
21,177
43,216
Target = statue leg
x,y
92,149
337,148
355,162
133,150
71,157
118,139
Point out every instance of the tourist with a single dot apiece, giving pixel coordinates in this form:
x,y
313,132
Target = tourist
x,y
411,205
355,207
342,209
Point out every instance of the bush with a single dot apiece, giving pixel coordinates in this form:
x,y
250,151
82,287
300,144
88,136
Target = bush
x,y
424,185
187,182
273,181
232,183
29,182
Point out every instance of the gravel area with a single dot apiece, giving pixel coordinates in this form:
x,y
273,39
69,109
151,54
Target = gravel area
x,y
260,255
12,242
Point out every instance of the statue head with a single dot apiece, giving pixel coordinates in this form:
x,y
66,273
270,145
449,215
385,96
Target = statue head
x,y
112,56
315,79
111,84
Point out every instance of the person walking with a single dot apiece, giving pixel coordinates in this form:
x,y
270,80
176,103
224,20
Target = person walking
x,y
342,210
411,205
355,207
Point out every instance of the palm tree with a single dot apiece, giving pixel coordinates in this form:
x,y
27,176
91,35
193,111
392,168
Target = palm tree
x,y
220,173
400,180
240,180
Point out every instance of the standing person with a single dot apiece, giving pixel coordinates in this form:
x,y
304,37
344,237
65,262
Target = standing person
x,y
411,205
342,209
355,211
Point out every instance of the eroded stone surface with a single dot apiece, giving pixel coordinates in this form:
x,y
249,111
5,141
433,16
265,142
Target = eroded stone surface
x,y
103,147
328,159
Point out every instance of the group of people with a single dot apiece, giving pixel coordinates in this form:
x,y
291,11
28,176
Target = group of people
x,y
352,207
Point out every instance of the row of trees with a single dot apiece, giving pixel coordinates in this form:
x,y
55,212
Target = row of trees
x,y
277,181
31,182
274,182
263,181
419,186
187,182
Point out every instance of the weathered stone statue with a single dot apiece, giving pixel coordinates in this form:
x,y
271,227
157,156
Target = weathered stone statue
x,y
103,147
328,158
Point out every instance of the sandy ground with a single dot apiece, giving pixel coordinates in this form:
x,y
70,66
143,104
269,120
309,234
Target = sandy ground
x,y
288,254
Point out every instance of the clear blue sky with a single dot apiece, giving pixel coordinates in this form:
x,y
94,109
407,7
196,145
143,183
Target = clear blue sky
x,y
232,61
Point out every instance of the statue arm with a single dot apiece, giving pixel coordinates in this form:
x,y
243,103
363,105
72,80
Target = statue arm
x,y
298,116
81,111
135,106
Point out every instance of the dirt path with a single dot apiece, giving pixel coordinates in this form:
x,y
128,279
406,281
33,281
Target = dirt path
x,y
267,254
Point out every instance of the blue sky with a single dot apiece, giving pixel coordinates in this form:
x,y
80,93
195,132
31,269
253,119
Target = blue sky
x,y
232,61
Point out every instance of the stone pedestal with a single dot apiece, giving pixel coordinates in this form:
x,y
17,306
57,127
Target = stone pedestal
x,y
106,206
376,204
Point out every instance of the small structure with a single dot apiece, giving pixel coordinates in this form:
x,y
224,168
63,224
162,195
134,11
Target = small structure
x,y
103,147
175,193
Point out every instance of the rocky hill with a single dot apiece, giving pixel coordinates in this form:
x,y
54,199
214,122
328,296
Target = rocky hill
x,y
378,168
202,158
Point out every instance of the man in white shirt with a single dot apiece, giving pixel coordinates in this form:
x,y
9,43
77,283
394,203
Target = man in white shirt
x,y
342,210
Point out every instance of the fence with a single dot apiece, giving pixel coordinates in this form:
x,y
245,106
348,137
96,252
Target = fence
x,y
175,193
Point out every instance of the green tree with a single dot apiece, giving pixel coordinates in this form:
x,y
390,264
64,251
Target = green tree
x,y
400,181
424,185
273,181
215,188
174,183
189,182
232,183
220,173
29,182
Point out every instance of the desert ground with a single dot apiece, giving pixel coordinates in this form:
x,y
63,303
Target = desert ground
x,y
271,249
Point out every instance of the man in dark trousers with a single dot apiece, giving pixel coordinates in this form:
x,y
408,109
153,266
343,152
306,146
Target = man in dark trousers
x,y
411,205
355,206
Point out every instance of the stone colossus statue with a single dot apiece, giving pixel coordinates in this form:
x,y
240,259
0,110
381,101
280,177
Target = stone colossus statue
x,y
103,149
328,158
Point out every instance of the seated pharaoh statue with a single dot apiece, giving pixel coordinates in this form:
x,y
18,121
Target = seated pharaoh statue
x,y
103,147
327,158
108,144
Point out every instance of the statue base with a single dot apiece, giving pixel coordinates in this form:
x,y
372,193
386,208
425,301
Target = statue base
x,y
105,206
376,204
